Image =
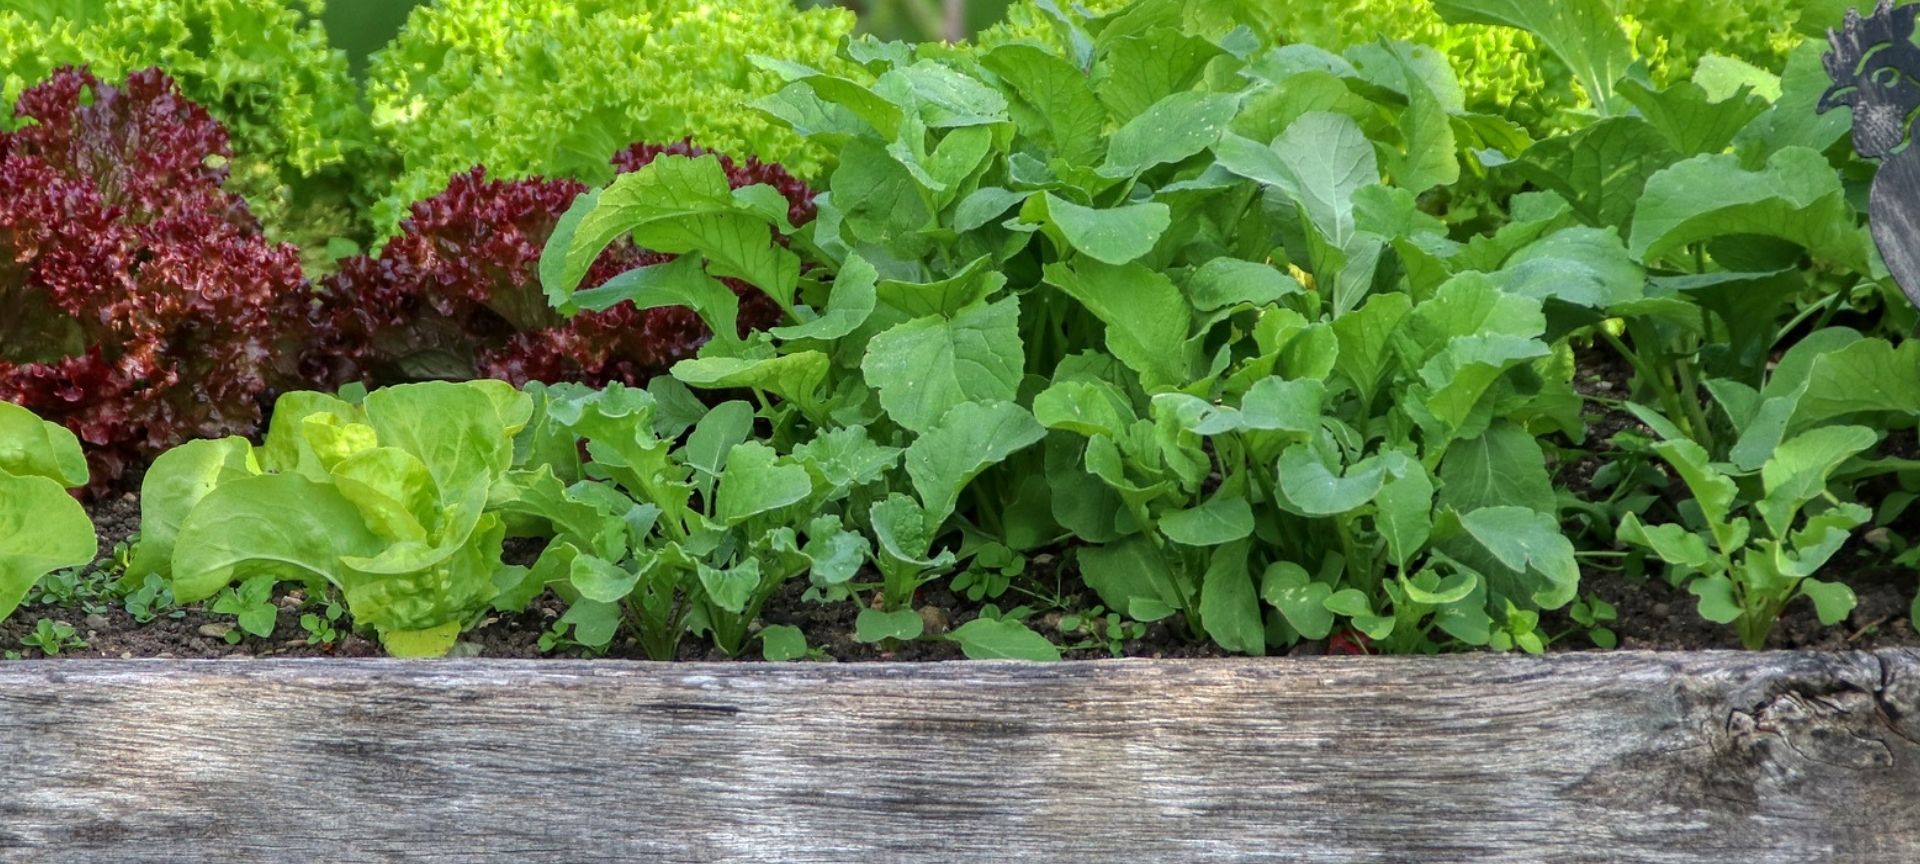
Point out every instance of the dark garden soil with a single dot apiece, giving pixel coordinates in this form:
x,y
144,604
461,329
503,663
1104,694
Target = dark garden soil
x,y
1652,615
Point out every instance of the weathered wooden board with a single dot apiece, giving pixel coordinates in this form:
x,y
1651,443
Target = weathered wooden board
x,y
1625,757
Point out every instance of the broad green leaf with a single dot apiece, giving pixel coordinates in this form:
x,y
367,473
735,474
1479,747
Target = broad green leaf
x,y
1229,606
1055,105
1286,586
1147,319
1461,375
1173,129
1673,543
1086,407
943,97
31,447
1464,308
1428,589
873,625
286,449
455,430
1426,127
925,367
1713,491
1601,169
1531,544
906,532
1115,235
978,281
1866,377
1583,34
758,480
1132,578
601,581
985,204
849,304
680,282
795,377
724,427
1309,487
1224,518
969,439
1366,337
1351,602
1319,162
174,485
1800,468
1692,121
396,495
1002,639
1503,465
1832,601
1278,405
1811,547
780,643
1794,120
675,205
884,204
1797,197
1717,601
244,528
1228,282
42,529
1138,70
731,589
1405,515
1587,267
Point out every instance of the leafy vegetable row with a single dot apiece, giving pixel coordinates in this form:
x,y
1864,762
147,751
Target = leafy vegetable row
x,y
1272,344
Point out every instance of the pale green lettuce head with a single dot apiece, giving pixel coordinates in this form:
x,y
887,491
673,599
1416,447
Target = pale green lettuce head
x,y
42,529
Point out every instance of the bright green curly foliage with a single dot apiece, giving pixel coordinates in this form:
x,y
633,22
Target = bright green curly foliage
x,y
556,87
264,68
1503,70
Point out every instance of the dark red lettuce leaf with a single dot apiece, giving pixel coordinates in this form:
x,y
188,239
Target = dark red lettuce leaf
x,y
143,305
457,293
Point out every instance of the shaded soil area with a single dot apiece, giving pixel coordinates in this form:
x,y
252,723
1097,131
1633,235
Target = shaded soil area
x,y
1652,614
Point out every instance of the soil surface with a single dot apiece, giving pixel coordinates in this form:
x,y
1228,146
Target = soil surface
x,y
1652,614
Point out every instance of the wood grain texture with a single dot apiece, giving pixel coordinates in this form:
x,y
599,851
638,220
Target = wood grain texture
x,y
1625,757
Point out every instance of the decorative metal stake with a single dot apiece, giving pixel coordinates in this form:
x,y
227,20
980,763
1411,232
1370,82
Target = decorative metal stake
x,y
1875,67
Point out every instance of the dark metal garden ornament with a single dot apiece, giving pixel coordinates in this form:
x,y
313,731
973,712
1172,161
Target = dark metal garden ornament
x,y
1875,67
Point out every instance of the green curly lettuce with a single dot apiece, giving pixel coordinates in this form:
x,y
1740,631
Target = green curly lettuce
x,y
303,146
1503,70
555,87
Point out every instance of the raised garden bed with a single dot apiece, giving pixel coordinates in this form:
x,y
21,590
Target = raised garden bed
x,y
1617,757
1142,329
